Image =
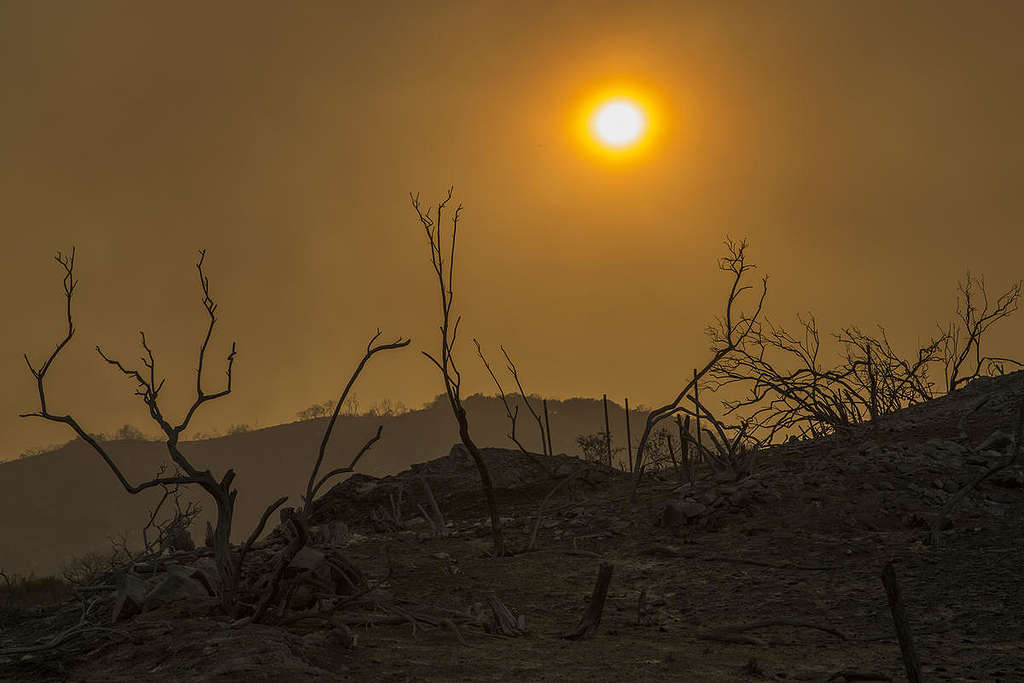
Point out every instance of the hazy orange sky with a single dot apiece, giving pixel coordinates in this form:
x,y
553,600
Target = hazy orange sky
x,y
871,152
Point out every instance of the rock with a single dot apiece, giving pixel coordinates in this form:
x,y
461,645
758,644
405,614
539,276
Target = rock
x,y
206,568
996,441
179,583
678,512
196,574
131,594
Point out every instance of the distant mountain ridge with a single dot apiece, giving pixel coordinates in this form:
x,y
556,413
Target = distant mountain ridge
x,y
66,502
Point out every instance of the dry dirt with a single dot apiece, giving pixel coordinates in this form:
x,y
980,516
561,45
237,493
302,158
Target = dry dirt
x,y
802,542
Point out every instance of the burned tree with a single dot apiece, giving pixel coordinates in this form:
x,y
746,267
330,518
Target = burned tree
x,y
164,532
314,485
148,389
229,562
975,315
545,437
512,414
790,389
297,522
431,218
727,335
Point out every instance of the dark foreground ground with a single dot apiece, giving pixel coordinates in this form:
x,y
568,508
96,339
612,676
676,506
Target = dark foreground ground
x,y
774,577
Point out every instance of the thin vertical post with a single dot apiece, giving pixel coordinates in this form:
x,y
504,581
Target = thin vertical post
x,y
547,427
607,430
684,446
629,438
672,454
873,387
899,617
696,399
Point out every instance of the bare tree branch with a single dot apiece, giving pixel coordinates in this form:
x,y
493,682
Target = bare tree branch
x,y
731,331
148,388
536,416
446,363
975,316
312,487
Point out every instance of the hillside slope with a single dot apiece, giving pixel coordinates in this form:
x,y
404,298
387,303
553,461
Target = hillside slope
x,y
774,576
66,502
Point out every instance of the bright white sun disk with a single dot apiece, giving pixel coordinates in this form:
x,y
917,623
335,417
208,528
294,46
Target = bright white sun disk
x,y
619,123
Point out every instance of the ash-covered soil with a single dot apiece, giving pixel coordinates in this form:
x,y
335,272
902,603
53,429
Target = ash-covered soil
x,y
772,577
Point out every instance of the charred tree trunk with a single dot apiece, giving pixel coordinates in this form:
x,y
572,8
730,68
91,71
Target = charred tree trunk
x,y
547,428
629,441
485,481
222,553
607,429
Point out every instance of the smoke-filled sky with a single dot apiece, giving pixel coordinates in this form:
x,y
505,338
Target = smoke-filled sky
x,y
870,151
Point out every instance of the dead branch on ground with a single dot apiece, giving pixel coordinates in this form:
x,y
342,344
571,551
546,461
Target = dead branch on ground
x,y
433,514
82,628
299,538
506,622
540,508
592,617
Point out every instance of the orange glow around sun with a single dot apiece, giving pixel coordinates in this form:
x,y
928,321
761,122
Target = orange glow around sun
x,y
617,123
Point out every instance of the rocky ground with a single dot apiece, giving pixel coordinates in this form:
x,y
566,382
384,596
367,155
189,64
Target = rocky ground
x,y
772,577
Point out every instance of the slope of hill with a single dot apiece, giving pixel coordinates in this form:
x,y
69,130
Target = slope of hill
x,y
66,502
773,576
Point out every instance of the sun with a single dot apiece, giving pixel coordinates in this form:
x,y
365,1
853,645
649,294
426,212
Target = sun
x,y
618,123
